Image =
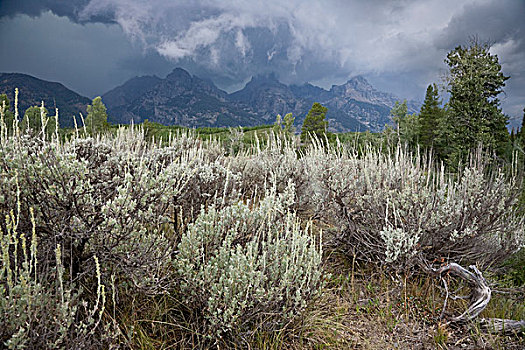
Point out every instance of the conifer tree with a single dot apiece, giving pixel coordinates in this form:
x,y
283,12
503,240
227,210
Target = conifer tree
x,y
315,122
474,114
429,118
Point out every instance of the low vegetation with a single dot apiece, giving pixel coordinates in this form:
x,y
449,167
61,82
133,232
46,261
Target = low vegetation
x,y
121,240
158,237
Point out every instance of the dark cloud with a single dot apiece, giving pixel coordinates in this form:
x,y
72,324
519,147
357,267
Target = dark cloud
x,y
495,21
63,8
36,7
90,58
300,41
399,45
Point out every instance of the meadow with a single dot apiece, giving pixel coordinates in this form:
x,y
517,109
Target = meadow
x,y
148,237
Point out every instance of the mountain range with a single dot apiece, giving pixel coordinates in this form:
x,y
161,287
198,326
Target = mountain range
x,y
188,100
184,99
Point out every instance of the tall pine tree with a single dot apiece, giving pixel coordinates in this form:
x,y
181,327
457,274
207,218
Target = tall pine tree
x,y
429,118
474,114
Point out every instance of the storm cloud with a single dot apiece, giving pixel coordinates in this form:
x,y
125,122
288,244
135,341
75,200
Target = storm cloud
x,y
398,45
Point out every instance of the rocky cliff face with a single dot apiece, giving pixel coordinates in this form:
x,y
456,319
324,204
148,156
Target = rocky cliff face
x,y
353,106
187,100
369,106
269,97
179,99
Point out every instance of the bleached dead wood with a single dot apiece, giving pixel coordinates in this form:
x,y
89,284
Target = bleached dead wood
x,y
500,325
480,290
479,298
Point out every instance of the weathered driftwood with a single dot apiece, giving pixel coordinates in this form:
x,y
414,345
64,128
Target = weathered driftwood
x,y
480,290
479,299
500,325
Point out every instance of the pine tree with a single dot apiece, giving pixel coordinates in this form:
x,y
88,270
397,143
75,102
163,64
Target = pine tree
x,y
97,118
474,114
429,118
315,122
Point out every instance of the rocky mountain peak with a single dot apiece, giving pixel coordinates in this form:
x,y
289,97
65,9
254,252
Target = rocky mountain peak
x,y
263,89
269,77
188,100
179,74
357,87
359,82
259,80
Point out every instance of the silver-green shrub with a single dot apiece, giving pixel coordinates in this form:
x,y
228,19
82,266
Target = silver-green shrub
x,y
249,266
393,207
219,228
94,200
273,165
39,311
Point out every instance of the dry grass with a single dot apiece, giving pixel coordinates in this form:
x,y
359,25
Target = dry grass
x,y
366,308
362,307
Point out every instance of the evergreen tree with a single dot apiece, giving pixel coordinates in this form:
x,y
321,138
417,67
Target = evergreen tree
x,y
429,118
474,113
97,118
315,122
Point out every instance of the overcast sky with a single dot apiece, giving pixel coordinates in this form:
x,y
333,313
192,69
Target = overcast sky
x,y
399,45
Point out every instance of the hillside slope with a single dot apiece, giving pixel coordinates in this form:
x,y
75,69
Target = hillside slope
x,y
32,91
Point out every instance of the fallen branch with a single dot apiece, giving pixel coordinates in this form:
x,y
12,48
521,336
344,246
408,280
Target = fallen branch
x,y
480,290
499,325
479,299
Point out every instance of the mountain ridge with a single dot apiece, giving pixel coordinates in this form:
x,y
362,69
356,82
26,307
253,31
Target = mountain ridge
x,y
32,91
353,106
187,100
